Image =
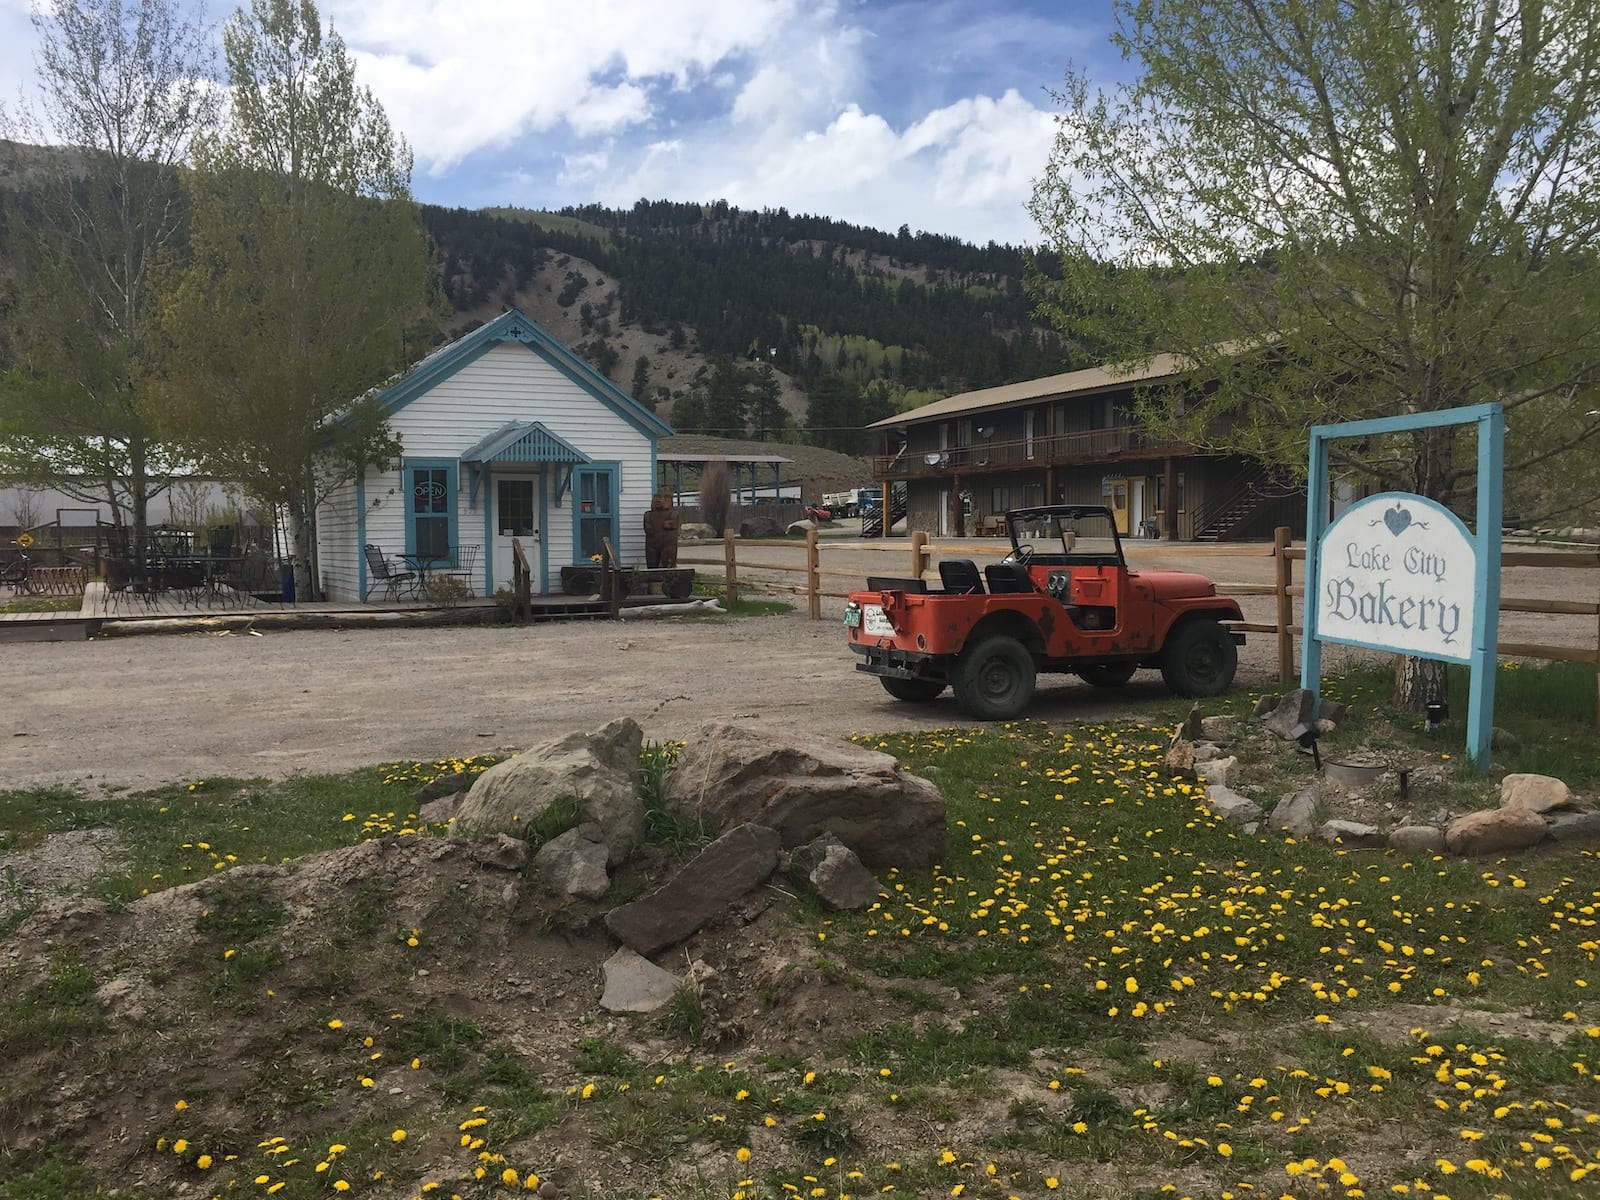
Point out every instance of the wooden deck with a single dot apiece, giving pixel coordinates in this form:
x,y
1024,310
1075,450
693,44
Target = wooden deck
x,y
103,613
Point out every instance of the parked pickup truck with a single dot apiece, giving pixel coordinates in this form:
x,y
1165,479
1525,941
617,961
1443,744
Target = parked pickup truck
x,y
1063,600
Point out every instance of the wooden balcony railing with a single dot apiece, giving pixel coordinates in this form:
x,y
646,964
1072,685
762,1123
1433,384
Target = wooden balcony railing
x,y
1125,441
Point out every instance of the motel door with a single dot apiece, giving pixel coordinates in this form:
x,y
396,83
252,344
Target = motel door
x,y
1119,503
516,515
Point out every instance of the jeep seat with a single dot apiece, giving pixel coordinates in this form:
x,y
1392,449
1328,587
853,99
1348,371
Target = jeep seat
x,y
960,577
1008,577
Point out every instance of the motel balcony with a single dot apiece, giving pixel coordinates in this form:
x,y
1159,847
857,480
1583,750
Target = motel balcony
x,y
1053,450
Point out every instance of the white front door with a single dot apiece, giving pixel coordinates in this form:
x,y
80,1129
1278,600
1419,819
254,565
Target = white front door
x,y
516,515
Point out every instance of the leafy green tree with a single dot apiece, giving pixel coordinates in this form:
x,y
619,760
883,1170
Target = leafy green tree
x,y
311,280
641,379
126,86
1346,210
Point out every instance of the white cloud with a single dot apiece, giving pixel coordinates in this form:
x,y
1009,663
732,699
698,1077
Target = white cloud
x,y
458,76
910,112
965,169
579,169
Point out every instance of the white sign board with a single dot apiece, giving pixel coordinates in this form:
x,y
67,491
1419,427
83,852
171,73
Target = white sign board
x,y
1398,572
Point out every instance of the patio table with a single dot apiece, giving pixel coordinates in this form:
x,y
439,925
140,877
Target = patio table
x,y
423,565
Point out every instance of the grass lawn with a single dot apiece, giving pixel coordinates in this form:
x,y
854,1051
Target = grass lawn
x,y
1102,992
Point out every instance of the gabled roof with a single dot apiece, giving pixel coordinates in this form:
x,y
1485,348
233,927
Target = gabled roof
x,y
512,326
1051,387
523,441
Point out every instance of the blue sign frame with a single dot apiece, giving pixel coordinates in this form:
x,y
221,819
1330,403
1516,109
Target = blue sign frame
x,y
1491,422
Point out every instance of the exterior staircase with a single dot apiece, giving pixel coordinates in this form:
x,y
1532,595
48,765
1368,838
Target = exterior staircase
x,y
872,522
1253,490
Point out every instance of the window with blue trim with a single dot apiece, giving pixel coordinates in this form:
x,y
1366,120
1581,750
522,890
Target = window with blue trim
x,y
431,510
596,509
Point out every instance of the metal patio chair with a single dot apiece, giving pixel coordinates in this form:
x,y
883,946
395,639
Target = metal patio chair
x,y
394,581
466,568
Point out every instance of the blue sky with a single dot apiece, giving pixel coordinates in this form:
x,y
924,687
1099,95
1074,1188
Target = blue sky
x,y
932,113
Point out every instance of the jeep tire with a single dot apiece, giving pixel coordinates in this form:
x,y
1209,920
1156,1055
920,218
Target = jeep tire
x,y
994,679
1199,659
913,691
1108,675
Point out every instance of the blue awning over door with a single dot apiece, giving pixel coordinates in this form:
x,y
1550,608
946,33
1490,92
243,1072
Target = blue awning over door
x,y
523,442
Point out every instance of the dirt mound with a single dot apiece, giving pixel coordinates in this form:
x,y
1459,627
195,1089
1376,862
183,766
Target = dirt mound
x,y
383,985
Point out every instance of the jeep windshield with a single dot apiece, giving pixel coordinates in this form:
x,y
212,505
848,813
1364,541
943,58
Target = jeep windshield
x,y
1063,535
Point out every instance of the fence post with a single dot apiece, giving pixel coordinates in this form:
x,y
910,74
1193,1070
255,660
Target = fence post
x,y
613,573
1283,570
730,569
919,553
813,577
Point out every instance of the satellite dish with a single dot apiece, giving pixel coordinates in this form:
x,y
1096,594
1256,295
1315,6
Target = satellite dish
x,y
933,458
986,431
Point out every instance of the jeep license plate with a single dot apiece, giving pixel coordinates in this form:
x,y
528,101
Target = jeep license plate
x,y
874,623
852,618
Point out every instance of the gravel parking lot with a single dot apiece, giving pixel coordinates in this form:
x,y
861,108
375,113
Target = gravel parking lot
x,y
144,711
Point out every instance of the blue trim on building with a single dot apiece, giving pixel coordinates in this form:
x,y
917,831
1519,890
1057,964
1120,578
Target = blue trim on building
x,y
452,486
488,539
612,471
512,326
544,540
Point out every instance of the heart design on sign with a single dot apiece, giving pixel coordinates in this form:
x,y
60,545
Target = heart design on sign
x,y
1397,519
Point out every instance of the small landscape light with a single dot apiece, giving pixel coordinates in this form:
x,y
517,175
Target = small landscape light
x,y
1438,712
1306,734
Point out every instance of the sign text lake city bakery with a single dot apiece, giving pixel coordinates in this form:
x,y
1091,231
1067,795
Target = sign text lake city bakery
x,y
1398,573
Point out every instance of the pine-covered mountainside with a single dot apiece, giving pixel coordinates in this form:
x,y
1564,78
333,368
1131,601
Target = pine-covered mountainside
x,y
766,326
761,324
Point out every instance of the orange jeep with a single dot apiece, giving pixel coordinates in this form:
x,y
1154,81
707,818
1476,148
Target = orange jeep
x,y
1063,600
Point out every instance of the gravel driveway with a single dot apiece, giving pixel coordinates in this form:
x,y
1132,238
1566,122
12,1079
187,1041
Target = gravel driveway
x,y
145,711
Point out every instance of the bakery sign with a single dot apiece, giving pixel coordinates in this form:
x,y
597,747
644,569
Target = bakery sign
x,y
1398,573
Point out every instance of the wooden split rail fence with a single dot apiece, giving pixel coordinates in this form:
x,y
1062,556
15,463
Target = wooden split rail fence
x,y
917,555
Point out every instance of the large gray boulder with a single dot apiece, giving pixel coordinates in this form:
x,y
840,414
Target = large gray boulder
x,y
1417,839
574,864
736,862
833,872
760,526
1494,831
1293,708
1536,793
1352,835
635,984
804,786
1295,814
597,772
1575,827
1231,806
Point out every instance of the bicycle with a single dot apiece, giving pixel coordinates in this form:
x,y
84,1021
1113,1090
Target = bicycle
x,y
17,574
